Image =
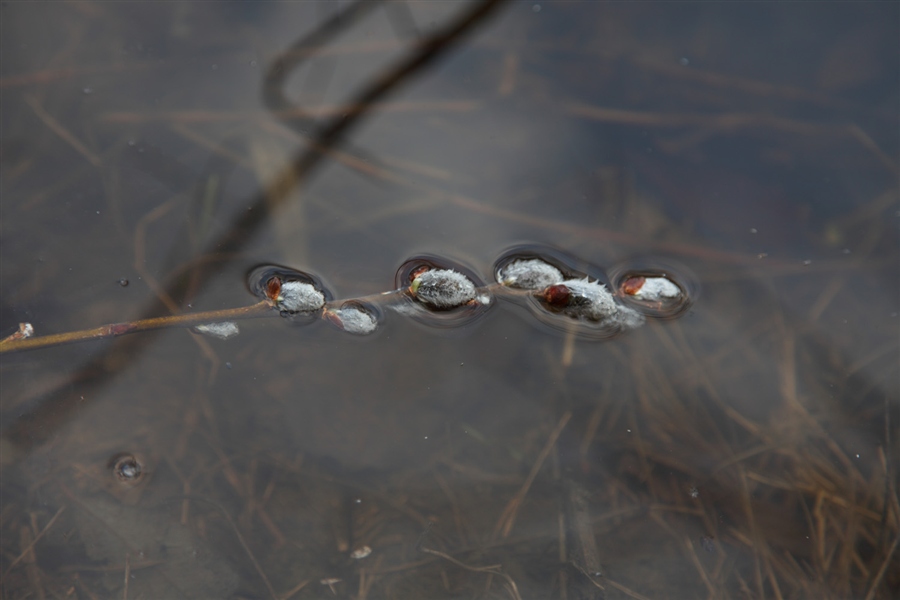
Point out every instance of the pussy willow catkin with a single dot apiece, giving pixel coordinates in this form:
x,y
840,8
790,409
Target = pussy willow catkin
x,y
441,292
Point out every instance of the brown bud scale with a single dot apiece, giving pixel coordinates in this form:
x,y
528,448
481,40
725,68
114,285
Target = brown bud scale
x,y
632,285
273,288
557,296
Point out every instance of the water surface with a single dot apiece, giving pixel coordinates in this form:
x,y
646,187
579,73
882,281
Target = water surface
x,y
747,448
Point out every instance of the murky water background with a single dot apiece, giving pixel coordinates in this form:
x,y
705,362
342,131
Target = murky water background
x,y
748,448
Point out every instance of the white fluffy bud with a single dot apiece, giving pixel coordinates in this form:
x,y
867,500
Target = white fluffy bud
x,y
443,288
298,296
529,274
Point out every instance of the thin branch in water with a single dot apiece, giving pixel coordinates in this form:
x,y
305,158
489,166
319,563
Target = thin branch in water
x,y
258,310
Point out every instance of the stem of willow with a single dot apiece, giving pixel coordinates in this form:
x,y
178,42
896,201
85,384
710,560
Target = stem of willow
x,y
261,309
254,311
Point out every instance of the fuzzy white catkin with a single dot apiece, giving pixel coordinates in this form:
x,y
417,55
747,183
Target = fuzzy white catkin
x,y
529,274
628,318
593,301
592,297
297,296
658,288
443,288
355,320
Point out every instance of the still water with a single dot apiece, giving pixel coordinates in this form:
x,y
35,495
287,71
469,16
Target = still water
x,y
156,156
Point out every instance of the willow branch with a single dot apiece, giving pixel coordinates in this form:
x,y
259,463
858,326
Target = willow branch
x,y
112,330
264,308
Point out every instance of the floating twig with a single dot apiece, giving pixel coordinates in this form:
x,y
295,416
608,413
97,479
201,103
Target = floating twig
x,y
260,309
430,289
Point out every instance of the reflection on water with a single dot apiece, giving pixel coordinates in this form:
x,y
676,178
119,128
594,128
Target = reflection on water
x,y
746,449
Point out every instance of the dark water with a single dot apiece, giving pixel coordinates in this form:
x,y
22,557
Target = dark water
x,y
748,448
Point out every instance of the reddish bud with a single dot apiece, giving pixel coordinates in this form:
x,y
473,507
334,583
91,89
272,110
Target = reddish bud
x,y
632,285
273,288
557,295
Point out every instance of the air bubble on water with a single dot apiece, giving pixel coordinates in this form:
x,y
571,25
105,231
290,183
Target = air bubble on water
x,y
528,274
126,468
354,317
222,331
123,282
683,61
